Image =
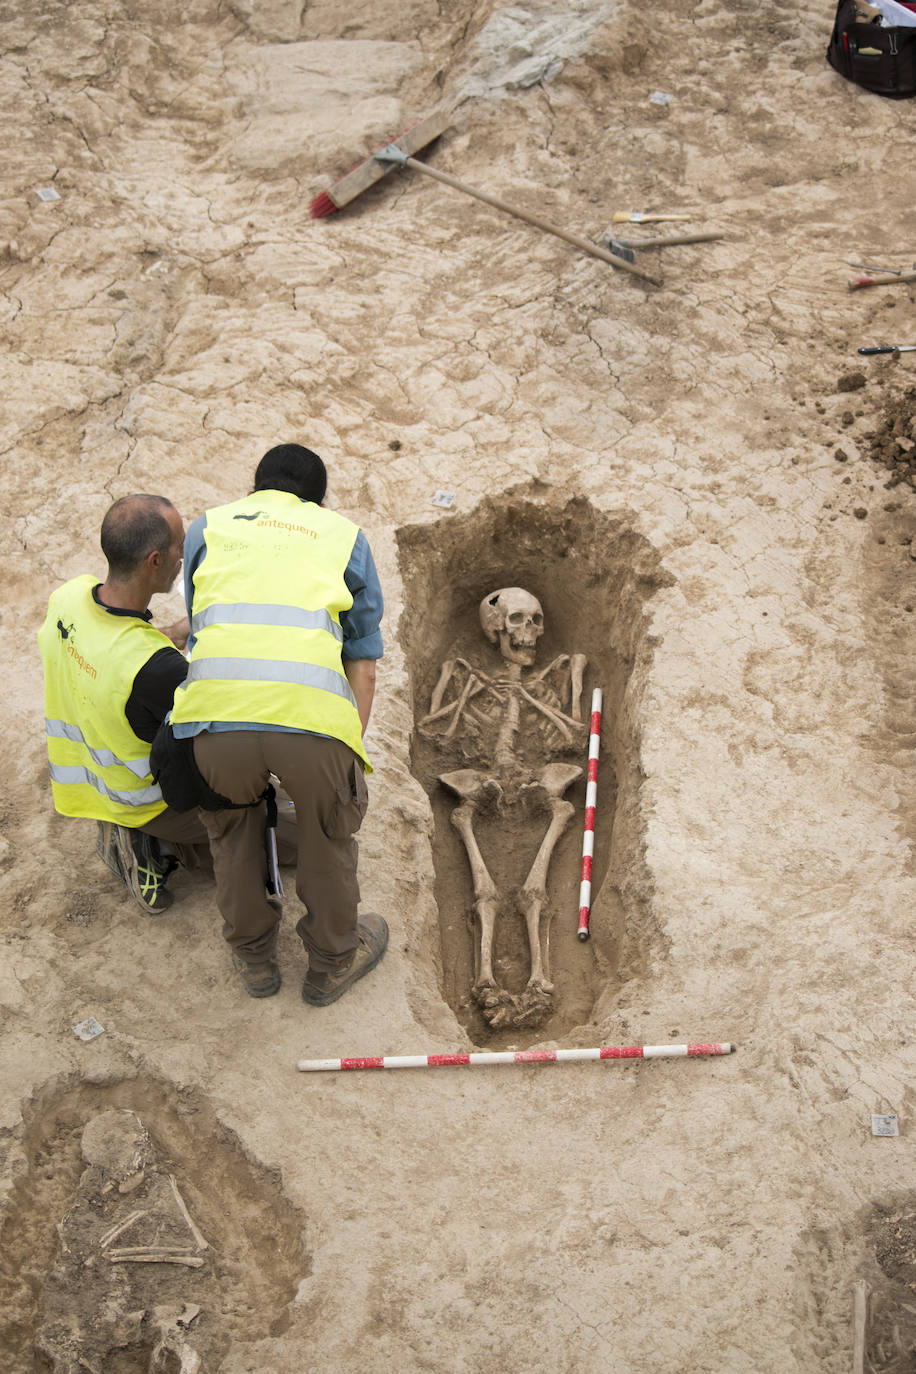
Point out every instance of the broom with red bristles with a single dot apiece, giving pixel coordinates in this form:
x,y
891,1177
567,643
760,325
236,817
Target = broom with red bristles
x,y
400,154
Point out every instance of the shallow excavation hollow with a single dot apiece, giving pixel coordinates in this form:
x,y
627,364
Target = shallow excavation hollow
x,y
107,1172
501,737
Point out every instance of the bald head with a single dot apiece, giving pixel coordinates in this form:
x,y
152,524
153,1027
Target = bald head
x,y
133,528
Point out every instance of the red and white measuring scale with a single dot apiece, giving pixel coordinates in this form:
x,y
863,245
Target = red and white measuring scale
x,y
448,1061
591,801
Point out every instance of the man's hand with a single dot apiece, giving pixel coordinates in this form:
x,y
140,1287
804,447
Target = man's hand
x,y
361,677
178,633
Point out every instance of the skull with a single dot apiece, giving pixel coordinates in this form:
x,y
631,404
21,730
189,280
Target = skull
x,y
513,619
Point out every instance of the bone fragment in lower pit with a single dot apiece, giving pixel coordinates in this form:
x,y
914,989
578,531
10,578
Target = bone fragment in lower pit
x,y
102,1239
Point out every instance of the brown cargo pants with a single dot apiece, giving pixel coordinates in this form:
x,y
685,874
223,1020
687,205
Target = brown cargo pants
x,y
186,835
327,785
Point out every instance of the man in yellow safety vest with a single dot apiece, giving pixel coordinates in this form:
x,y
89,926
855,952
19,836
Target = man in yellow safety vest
x,y
285,607
110,677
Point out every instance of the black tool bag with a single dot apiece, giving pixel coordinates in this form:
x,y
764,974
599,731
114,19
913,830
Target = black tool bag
x,y
184,788
881,59
181,782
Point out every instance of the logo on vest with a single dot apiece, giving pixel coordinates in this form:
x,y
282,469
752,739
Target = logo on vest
x,y
265,522
66,633
289,526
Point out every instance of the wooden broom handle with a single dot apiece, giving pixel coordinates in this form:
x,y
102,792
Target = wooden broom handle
x,y
585,244
672,241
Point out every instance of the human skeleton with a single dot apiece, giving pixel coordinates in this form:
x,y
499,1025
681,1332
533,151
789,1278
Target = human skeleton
x,y
487,713
128,1213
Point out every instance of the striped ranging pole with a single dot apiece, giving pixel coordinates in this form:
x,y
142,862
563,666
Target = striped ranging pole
x,y
448,1061
591,798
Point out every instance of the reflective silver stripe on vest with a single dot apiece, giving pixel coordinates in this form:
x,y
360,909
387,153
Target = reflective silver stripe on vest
x,y
59,729
253,613
270,670
71,777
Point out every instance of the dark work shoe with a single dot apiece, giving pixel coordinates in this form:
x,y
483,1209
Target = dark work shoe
x,y
261,980
106,846
320,989
142,869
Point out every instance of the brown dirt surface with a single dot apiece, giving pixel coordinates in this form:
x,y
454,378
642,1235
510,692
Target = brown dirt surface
x,y
893,443
712,495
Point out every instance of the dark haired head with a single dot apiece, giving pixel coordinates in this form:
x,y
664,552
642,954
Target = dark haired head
x,y
292,468
132,529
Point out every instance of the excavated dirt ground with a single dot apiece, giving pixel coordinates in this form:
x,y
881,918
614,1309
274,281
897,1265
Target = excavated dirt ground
x,y
713,496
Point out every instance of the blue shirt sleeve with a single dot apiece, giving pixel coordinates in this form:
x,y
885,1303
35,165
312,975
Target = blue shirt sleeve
x,y
194,550
360,624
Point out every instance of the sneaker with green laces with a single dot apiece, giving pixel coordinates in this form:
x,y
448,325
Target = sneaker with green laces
x,y
320,989
142,869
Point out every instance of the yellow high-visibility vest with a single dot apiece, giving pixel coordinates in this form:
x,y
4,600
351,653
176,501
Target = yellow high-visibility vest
x,y
268,594
99,767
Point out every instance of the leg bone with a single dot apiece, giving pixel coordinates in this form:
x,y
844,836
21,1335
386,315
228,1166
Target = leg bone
x,y
474,787
555,779
533,896
486,897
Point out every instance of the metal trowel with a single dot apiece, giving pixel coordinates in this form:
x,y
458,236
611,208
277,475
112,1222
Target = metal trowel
x,y
889,348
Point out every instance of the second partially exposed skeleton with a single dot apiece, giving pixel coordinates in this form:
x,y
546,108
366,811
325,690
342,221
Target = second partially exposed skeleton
x,y
490,711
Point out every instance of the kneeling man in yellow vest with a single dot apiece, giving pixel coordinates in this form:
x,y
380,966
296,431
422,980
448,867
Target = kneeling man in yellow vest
x,y
110,678
285,608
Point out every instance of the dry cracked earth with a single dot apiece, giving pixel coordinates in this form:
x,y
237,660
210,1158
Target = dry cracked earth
x,y
710,492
